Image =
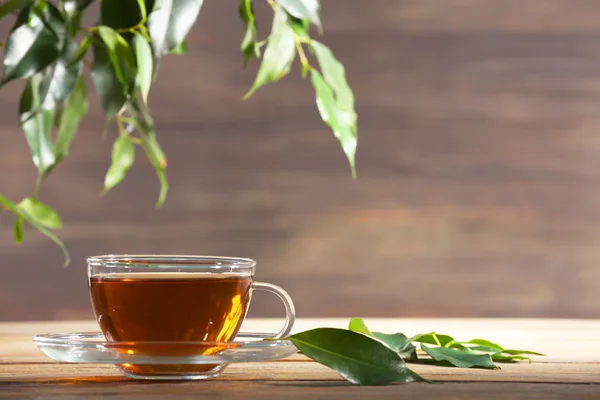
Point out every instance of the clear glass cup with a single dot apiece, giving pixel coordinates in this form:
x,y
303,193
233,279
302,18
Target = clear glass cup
x,y
199,302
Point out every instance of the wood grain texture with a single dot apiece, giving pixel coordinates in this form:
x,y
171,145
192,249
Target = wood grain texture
x,y
25,372
479,169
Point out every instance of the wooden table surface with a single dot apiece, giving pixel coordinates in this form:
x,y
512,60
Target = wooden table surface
x,y
570,370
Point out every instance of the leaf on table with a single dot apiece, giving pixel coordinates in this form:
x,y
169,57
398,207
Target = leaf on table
x,y
400,343
279,53
358,325
433,338
123,157
458,358
72,113
169,23
37,126
9,205
303,9
249,44
340,121
106,82
508,359
143,55
10,6
42,213
59,79
482,343
30,47
19,229
357,357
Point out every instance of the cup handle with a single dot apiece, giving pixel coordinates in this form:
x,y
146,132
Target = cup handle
x,y
290,311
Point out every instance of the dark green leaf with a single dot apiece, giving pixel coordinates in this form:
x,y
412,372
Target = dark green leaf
x,y
433,338
74,110
485,343
121,56
250,42
342,122
400,343
303,9
459,358
42,213
170,23
120,14
20,212
59,80
30,47
181,49
357,357
279,54
143,54
81,51
10,6
19,229
123,157
358,325
37,126
106,82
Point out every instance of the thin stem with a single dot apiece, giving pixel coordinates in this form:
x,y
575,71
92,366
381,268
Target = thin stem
x,y
36,188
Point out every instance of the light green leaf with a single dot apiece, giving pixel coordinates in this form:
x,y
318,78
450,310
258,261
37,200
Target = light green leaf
x,y
341,122
334,74
106,82
459,358
10,6
143,12
33,222
123,157
37,126
121,56
42,213
19,229
250,41
484,343
520,352
30,47
358,325
180,49
432,338
279,54
357,357
73,112
81,51
303,9
143,54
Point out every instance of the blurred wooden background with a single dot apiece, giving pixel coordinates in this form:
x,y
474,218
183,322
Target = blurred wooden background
x,y
479,169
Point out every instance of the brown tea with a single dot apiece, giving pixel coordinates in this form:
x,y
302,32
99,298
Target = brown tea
x,y
170,307
173,307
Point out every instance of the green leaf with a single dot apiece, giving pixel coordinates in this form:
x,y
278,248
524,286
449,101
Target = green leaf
x,y
433,338
42,213
10,6
123,157
73,112
250,41
19,229
106,82
143,54
37,126
357,357
334,74
59,80
143,12
300,27
358,325
33,222
279,54
81,51
120,14
342,122
78,5
400,343
121,56
303,9
180,49
170,22
503,358
459,358
485,343
30,47
520,352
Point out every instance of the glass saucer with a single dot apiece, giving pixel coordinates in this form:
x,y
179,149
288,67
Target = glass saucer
x,y
164,360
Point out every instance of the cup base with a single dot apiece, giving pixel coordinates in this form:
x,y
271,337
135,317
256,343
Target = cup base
x,y
172,372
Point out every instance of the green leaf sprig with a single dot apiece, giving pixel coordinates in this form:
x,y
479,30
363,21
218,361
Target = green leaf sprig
x,y
375,358
50,48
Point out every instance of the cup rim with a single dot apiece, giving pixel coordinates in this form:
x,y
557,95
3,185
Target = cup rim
x,y
169,261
